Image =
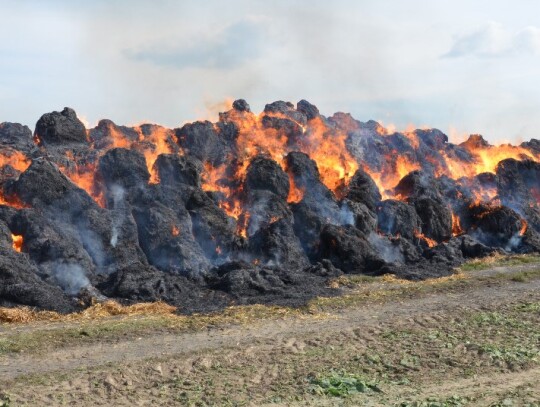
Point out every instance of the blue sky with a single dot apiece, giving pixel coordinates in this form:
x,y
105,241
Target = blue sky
x,y
461,67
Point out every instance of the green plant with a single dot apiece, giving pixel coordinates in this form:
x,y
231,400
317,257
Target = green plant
x,y
5,400
341,384
529,307
513,354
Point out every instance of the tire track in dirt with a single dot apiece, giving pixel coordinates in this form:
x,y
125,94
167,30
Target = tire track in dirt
x,y
361,321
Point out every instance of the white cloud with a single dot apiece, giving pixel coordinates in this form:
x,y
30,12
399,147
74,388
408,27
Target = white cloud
x,y
528,40
494,40
229,48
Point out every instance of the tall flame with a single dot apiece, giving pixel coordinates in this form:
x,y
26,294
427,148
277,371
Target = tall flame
x,y
523,229
325,141
329,151
327,148
151,145
386,179
324,145
84,178
456,225
158,138
295,194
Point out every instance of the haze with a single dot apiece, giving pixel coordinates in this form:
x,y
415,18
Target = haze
x,y
460,66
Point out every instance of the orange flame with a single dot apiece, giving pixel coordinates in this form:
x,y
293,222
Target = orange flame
x,y
397,167
211,178
524,226
119,140
15,159
243,224
456,225
485,194
84,178
485,159
295,193
150,145
412,137
324,145
420,235
329,151
12,201
17,242
488,158
175,231
158,138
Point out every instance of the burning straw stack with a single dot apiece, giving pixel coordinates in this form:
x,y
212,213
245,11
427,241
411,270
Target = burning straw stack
x,y
252,209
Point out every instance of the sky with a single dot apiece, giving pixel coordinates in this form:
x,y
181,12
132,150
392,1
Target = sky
x,y
460,66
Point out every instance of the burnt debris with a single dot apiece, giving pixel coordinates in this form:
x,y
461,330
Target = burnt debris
x,y
250,209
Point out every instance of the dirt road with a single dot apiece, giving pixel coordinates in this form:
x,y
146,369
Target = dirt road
x,y
472,342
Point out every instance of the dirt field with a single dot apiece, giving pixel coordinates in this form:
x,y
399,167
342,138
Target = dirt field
x,y
473,339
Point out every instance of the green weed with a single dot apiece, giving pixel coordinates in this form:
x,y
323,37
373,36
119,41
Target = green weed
x,y
529,307
341,384
510,354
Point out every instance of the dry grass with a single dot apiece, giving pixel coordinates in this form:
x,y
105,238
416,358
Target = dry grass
x,y
96,311
500,260
362,288
390,278
26,314
355,281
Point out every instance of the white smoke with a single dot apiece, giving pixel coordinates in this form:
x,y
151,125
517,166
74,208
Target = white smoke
x,y
93,245
118,194
258,214
514,242
385,248
71,277
346,215
497,239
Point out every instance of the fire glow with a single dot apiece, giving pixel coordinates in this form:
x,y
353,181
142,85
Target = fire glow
x,y
326,145
430,242
327,148
456,225
17,242
255,206
318,138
